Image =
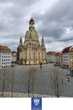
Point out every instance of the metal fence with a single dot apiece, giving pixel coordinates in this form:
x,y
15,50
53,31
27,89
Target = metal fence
x,y
26,81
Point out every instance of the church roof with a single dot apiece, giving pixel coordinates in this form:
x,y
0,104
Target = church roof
x,y
31,21
31,33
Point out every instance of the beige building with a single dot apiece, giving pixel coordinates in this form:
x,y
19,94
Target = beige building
x,y
71,58
31,51
66,57
51,57
59,59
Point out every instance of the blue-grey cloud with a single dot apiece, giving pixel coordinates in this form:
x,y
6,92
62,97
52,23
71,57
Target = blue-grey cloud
x,y
52,20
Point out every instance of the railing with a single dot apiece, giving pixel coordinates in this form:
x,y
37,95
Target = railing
x,y
26,81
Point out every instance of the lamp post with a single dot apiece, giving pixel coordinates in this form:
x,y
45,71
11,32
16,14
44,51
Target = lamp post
x,y
12,83
3,83
46,64
29,81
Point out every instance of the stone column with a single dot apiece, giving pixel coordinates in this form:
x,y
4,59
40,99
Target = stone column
x,y
28,56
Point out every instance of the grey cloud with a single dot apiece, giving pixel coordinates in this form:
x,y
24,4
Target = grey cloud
x,y
12,18
55,21
21,2
51,24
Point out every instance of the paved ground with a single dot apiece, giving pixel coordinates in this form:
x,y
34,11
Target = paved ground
x,y
32,80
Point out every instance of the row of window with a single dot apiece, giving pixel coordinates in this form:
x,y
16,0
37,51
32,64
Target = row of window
x,y
5,66
6,63
6,59
6,56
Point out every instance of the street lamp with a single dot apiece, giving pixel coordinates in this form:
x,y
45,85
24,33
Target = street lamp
x,y
12,83
46,64
3,83
30,82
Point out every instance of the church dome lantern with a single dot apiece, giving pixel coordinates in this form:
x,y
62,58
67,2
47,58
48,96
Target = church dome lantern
x,y
31,22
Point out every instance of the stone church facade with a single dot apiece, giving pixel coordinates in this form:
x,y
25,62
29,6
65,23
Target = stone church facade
x,y
31,51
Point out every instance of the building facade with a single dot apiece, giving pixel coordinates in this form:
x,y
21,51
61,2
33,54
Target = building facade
x,y
59,59
66,57
14,57
71,58
31,51
5,57
51,58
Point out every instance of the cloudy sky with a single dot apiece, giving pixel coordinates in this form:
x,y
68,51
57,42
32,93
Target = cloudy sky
x,y
54,21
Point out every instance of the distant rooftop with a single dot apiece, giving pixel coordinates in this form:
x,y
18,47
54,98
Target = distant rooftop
x,y
66,50
54,53
4,49
51,53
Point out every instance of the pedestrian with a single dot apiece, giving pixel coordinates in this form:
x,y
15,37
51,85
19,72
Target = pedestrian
x,y
68,79
40,65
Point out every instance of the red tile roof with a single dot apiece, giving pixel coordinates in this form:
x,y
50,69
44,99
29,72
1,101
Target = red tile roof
x,y
66,50
58,53
71,49
4,49
51,53
54,53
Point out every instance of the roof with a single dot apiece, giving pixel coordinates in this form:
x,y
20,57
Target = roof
x,y
71,49
66,50
31,21
54,53
4,49
58,53
14,52
51,53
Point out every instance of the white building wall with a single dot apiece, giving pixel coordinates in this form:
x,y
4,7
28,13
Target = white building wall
x,y
66,59
5,59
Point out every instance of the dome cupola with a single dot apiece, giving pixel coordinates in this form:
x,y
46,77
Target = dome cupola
x,y
31,21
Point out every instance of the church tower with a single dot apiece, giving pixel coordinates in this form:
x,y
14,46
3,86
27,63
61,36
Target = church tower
x,y
20,43
42,43
43,51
